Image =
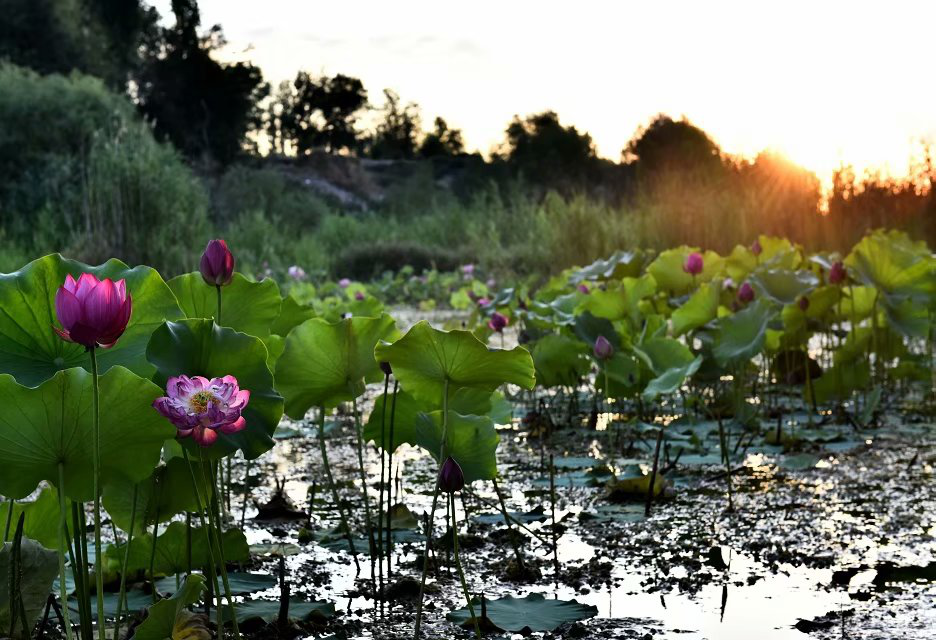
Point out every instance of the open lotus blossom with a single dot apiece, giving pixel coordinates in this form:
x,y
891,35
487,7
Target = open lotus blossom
x,y
756,249
451,476
746,292
693,264
217,264
603,348
92,312
199,407
498,321
837,273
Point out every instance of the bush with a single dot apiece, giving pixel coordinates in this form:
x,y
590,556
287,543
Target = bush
x,y
281,199
368,262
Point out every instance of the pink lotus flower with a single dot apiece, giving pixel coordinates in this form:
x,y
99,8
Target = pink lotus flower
x,y
199,407
483,302
693,264
837,273
92,312
468,270
603,348
358,296
217,264
296,272
746,293
756,249
583,288
498,321
344,283
451,476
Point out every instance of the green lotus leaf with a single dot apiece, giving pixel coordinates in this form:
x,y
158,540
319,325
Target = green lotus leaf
x,y
588,328
701,308
471,440
839,382
425,359
908,318
165,494
671,379
404,411
624,375
161,618
532,613
610,303
246,306
37,570
663,354
784,286
621,264
41,522
893,263
48,425
822,302
268,610
291,315
857,302
559,360
325,364
31,352
172,551
740,336
668,272
199,347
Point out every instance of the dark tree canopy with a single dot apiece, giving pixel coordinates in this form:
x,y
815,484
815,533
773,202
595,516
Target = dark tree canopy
x,y
397,134
204,107
547,153
442,141
672,145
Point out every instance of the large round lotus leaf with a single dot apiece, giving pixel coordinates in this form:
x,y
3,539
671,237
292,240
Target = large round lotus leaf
x,y
425,358
291,315
471,440
784,285
201,348
325,364
668,272
532,613
621,264
50,424
740,337
610,303
246,306
890,261
41,522
166,493
822,302
624,375
268,610
559,360
588,328
702,307
663,354
671,379
839,382
857,302
404,411
30,350
161,618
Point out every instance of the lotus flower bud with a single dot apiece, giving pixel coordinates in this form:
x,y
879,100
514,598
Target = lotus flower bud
x,y
584,288
491,283
217,264
344,283
92,312
451,478
693,265
746,293
483,302
468,270
497,322
803,303
603,349
756,249
296,273
358,295
386,368
837,273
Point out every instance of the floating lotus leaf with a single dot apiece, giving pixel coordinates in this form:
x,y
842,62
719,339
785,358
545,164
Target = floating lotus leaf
x,y
268,610
31,352
533,613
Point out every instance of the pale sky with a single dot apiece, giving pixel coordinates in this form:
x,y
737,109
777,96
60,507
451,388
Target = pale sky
x,y
822,82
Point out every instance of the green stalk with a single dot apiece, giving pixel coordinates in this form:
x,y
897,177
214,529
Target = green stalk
x,y
123,566
380,492
367,512
201,516
435,500
152,566
334,489
396,386
96,462
63,527
461,574
244,503
218,540
218,314
6,531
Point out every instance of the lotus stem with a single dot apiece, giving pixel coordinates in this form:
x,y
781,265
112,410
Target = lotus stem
x,y
63,528
458,567
380,492
6,530
334,489
123,566
96,462
396,386
503,507
152,565
552,502
246,487
219,543
367,512
201,516
724,446
435,501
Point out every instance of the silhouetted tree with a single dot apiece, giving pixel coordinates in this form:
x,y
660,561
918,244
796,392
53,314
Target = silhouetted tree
x,y
442,141
547,153
672,145
398,132
204,107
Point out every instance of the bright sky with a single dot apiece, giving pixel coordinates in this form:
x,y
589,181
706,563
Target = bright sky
x,y
820,81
